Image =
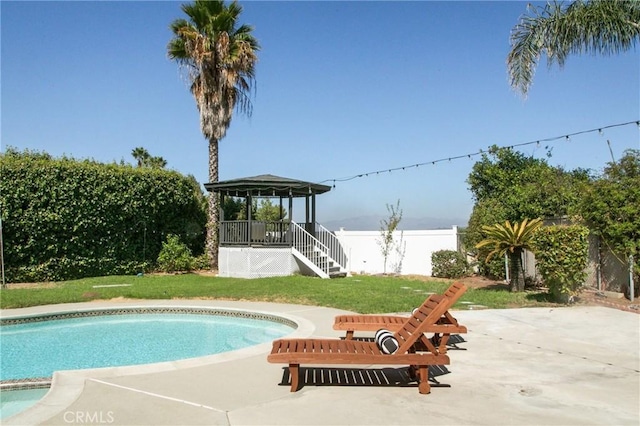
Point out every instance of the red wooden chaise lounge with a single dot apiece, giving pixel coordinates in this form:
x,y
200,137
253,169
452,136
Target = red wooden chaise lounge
x,y
415,350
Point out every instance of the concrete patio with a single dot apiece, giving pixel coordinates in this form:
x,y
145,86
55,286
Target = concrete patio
x,y
554,366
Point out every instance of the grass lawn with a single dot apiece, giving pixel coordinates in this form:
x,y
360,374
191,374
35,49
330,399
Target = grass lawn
x,y
360,293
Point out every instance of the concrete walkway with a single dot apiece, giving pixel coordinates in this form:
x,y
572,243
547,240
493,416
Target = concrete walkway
x,y
551,366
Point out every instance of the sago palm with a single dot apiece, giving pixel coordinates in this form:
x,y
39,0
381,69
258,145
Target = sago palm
x,y
603,27
220,58
513,240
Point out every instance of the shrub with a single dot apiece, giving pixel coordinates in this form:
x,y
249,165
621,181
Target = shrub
x,y
493,269
174,256
201,262
448,264
561,258
65,219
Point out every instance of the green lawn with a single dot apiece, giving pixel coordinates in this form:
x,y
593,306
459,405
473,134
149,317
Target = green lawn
x,y
364,294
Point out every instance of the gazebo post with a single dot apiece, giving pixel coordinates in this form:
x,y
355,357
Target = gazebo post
x,y
307,225
313,213
249,203
221,207
290,237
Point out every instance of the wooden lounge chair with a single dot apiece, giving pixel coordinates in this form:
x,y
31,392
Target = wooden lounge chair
x,y
338,351
441,330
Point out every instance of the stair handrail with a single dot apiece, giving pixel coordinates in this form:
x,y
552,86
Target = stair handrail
x,y
301,239
335,249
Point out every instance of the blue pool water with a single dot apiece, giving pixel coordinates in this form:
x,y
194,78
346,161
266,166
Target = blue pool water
x,y
38,349
15,401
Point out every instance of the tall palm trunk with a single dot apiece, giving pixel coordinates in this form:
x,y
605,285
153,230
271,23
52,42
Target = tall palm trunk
x,y
516,271
214,207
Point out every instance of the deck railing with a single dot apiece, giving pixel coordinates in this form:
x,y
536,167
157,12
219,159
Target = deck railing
x,y
310,247
329,240
238,232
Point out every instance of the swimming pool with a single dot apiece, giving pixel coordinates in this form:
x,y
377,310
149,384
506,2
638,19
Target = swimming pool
x,y
38,346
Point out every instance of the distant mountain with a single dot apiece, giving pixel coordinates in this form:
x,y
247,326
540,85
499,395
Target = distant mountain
x,y
373,223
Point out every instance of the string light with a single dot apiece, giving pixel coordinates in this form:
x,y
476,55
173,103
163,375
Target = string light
x,y
566,137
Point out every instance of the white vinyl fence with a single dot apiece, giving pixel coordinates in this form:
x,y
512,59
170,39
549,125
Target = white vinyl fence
x,y
411,253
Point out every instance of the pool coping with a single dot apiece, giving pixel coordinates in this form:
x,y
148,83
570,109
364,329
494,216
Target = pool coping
x,y
65,386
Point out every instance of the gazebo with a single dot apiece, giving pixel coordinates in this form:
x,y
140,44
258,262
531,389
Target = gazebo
x,y
253,248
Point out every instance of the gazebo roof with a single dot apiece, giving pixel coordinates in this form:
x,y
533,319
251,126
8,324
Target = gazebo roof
x,y
266,186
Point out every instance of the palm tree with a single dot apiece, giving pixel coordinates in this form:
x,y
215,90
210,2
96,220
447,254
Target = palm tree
x,y
604,27
141,156
511,239
144,159
219,57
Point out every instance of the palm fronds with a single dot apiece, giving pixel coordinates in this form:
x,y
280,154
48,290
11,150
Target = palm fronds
x,y
219,58
603,27
509,238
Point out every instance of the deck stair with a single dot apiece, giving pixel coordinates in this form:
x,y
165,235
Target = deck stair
x,y
323,255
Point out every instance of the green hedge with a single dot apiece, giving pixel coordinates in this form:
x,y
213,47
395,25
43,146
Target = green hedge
x,y
64,218
561,258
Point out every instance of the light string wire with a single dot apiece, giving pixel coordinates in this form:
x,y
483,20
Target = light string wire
x,y
268,189
480,152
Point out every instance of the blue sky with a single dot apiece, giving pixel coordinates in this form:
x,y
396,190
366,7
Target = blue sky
x,y
343,88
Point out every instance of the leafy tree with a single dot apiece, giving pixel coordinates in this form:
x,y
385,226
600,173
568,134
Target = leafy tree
x,y
507,185
269,212
144,159
387,228
513,240
233,208
525,186
220,57
611,207
584,26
